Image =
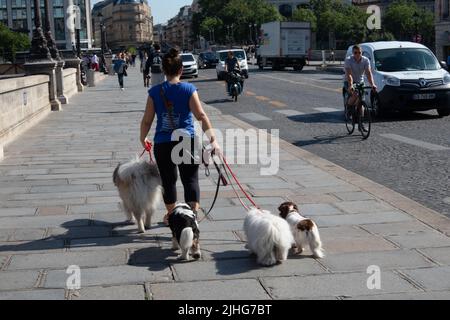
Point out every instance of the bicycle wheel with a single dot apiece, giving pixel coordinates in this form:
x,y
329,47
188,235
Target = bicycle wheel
x,y
349,119
365,122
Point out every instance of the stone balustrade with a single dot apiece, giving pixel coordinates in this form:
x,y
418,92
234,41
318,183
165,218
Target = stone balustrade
x,y
24,101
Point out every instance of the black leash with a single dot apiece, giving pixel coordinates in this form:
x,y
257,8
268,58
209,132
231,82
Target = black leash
x,y
220,179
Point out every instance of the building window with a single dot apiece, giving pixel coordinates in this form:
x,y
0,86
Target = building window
x,y
58,20
445,9
2,4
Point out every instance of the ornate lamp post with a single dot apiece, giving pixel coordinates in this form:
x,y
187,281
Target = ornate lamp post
x,y
103,42
39,49
40,60
51,44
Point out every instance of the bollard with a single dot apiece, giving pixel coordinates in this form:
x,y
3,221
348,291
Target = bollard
x,y
90,78
323,58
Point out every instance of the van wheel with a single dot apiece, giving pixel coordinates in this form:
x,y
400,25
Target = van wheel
x,y
444,112
298,67
377,108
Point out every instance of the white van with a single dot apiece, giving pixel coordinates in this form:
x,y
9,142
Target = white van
x,y
408,76
222,56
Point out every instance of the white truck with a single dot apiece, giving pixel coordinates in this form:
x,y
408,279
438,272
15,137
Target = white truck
x,y
284,44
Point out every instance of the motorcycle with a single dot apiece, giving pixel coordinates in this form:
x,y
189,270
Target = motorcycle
x,y
235,82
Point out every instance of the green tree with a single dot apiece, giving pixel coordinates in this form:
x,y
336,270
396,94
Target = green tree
x,y
305,15
12,42
403,18
220,15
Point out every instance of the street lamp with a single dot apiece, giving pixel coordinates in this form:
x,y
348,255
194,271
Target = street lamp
x,y
103,41
39,49
416,24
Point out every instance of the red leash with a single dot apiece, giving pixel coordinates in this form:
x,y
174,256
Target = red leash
x,y
148,148
240,186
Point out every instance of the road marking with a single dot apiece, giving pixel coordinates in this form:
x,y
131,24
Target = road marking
x,y
249,93
290,113
278,104
326,109
254,117
414,142
262,98
302,83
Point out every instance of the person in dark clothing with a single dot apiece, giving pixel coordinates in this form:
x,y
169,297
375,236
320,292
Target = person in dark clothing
x,y
153,66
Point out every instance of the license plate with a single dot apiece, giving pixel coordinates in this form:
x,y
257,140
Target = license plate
x,y
424,96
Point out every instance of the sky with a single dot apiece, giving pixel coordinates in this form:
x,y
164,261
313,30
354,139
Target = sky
x,y
163,10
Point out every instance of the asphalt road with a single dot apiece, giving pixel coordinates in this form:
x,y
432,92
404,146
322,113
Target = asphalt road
x,y
407,153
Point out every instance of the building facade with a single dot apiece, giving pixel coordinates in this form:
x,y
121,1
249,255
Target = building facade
x,y
443,29
127,23
18,15
178,31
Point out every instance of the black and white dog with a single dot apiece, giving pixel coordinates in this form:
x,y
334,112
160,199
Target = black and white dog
x,y
185,231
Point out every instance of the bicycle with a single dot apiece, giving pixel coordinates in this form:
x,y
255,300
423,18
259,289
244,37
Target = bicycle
x,y
353,115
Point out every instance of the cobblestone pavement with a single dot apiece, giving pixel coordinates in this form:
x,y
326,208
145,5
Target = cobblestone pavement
x,y
59,207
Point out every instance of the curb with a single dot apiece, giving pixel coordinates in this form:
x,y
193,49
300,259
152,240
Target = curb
x,y
410,207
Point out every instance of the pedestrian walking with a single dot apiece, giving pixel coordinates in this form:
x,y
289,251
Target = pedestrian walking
x,y
145,74
120,67
154,66
95,62
175,104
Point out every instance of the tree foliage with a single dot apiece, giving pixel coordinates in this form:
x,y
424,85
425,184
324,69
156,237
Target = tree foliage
x,y
12,42
403,18
232,18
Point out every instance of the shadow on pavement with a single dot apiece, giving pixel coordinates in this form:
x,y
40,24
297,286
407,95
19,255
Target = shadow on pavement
x,y
330,139
320,117
98,233
219,101
405,116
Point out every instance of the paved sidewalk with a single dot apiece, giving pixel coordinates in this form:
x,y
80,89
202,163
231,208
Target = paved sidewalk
x,y
59,207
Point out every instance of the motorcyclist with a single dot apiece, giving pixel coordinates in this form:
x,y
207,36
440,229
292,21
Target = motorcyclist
x,y
232,65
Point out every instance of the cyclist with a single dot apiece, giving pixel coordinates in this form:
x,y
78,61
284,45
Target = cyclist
x,y
355,67
231,65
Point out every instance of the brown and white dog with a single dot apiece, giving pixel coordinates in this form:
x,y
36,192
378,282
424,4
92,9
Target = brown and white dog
x,y
139,186
304,230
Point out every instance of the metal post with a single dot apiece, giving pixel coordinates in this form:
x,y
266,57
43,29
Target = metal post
x,y
39,49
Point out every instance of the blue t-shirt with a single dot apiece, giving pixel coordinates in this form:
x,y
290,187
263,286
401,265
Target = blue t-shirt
x,y
182,118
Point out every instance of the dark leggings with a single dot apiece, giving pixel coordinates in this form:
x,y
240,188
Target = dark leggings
x,y
169,176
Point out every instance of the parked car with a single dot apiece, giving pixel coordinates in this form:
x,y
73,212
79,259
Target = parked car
x,y
207,60
190,67
408,76
221,57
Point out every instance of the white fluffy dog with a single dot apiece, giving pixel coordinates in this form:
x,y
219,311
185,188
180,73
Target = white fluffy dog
x,y
304,230
268,236
139,186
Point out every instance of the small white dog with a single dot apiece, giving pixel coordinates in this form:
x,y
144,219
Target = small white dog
x,y
139,186
268,236
185,231
304,230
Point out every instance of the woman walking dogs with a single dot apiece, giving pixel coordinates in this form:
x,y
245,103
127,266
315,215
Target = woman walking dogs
x,y
175,104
